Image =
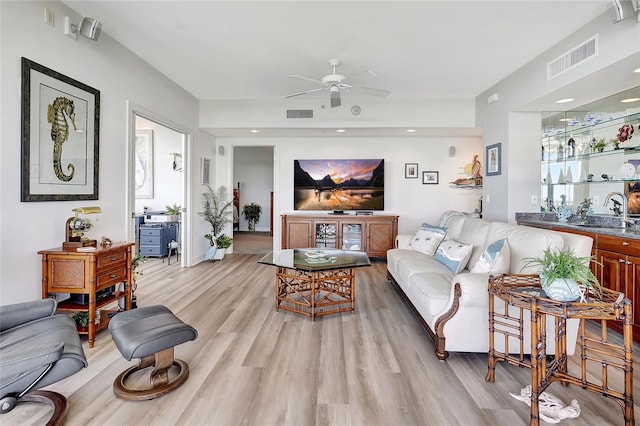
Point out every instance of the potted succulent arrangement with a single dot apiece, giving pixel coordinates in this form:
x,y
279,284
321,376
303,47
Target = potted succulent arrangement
x,y
216,211
564,276
252,212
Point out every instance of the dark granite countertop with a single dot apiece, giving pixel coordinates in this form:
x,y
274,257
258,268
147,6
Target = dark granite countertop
x,y
596,224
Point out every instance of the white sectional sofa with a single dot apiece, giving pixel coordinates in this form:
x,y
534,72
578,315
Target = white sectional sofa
x,y
453,307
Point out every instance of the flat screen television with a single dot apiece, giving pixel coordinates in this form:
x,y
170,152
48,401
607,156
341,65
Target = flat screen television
x,y
338,185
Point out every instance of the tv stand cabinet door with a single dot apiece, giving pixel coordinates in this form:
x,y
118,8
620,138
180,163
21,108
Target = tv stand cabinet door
x,y
381,235
298,233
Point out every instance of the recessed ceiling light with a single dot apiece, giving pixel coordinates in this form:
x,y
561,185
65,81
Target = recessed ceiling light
x,y
629,100
411,130
341,130
636,70
564,101
255,131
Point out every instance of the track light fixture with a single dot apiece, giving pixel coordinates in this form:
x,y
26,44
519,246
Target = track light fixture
x,y
89,28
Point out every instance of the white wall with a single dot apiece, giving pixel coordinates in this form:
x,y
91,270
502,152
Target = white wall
x,y
120,76
409,198
607,73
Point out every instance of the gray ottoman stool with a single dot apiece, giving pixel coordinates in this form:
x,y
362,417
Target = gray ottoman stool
x,y
150,334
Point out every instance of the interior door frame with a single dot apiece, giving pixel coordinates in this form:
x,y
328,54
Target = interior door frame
x,y
134,110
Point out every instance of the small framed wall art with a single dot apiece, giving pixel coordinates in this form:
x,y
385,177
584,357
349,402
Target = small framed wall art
x,y
205,171
494,159
411,170
430,177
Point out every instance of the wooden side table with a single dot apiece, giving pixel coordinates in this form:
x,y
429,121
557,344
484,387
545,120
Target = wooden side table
x,y
523,293
89,274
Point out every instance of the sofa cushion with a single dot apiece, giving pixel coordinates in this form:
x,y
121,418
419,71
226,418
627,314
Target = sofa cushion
x,y
410,265
432,291
525,242
453,255
495,259
427,239
475,232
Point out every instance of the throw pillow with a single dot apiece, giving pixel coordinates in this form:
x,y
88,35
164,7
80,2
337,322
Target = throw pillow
x,y
495,259
427,239
453,255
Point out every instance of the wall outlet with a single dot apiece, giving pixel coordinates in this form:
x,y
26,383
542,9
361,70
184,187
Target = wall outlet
x,y
487,199
534,199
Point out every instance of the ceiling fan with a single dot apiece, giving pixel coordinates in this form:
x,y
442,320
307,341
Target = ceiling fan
x,y
335,83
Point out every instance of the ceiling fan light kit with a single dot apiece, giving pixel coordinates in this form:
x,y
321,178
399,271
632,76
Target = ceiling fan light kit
x,y
335,84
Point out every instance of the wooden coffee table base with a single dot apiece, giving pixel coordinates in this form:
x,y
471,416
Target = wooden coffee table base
x,y
315,293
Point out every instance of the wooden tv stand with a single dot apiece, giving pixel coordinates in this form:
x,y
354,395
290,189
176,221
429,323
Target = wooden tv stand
x,y
373,235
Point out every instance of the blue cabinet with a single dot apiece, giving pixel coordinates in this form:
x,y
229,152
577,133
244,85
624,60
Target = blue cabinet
x,y
155,238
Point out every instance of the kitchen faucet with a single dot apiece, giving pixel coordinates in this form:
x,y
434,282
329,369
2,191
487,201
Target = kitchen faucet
x,y
625,206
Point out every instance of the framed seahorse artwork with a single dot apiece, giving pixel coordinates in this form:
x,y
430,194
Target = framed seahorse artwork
x,y
60,136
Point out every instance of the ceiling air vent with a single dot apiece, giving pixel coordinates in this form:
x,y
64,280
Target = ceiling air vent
x,y
573,57
299,113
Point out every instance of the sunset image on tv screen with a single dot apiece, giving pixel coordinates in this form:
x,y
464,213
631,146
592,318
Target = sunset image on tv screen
x,y
338,184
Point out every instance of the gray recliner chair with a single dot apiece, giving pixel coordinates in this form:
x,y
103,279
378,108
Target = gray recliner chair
x,y
37,348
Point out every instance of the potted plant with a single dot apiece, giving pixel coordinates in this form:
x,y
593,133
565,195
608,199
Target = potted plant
x,y
252,212
216,211
174,210
135,263
82,320
564,276
600,145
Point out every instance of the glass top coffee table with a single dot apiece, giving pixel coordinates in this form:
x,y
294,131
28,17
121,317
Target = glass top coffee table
x,y
315,282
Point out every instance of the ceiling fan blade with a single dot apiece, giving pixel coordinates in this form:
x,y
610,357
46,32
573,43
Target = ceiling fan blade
x,y
302,77
370,91
305,92
335,98
367,72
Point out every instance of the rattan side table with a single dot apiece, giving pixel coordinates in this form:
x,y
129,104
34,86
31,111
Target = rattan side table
x,y
522,296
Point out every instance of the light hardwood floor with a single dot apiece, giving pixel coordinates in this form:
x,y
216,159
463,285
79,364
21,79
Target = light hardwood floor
x,y
253,366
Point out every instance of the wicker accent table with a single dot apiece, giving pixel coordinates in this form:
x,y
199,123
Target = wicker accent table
x,y
316,282
522,295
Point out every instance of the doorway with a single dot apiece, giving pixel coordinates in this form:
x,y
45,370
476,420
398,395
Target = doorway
x,y
253,177
157,182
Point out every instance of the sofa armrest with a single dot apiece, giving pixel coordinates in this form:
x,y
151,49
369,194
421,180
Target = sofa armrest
x,y
403,240
474,288
21,313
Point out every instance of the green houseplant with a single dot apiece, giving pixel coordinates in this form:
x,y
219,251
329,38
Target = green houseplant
x,y
81,318
216,209
135,264
175,209
224,241
252,212
562,273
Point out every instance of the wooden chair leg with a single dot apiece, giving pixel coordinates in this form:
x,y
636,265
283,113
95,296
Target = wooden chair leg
x,y
159,377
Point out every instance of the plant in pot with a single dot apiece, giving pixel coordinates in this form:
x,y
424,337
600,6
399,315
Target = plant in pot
x,y
564,276
82,319
135,263
600,145
174,210
216,211
252,212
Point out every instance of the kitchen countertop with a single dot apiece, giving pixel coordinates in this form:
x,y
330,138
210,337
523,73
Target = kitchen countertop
x,y
606,225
